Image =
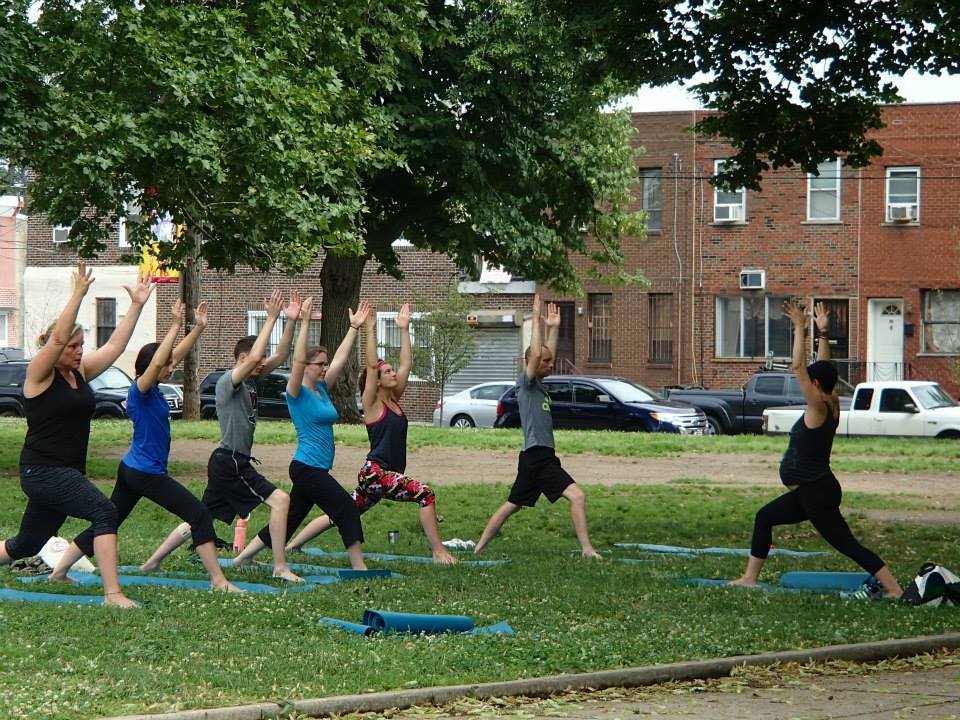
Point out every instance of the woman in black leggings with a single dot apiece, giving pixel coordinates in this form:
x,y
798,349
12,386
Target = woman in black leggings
x,y
814,493
59,405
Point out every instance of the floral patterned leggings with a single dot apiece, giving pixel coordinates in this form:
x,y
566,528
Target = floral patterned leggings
x,y
375,484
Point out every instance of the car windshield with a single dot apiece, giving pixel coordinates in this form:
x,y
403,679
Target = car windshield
x,y
113,378
933,396
626,391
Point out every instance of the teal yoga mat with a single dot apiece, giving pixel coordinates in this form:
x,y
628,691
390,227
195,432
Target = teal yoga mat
x,y
387,622
824,580
719,582
314,570
317,552
41,597
690,552
176,582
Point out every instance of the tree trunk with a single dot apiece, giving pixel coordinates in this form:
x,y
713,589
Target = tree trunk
x,y
190,295
340,279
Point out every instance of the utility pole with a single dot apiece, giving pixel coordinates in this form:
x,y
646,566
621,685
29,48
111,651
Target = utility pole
x,y
190,295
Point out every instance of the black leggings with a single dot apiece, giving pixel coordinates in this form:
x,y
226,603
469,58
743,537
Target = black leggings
x,y
313,486
53,495
818,502
165,492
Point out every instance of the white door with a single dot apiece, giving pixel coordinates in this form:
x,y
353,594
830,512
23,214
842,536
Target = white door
x,y
885,339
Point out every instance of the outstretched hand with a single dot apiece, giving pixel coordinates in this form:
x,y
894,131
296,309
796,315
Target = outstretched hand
x,y
140,293
200,317
292,310
795,312
403,317
359,317
274,303
821,317
553,315
82,278
305,307
177,312
536,306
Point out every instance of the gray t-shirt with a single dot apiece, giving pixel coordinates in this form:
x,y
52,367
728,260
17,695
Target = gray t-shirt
x,y
535,414
237,411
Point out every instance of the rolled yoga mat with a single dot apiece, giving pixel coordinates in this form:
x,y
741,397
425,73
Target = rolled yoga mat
x,y
401,558
676,550
824,580
39,597
386,622
176,582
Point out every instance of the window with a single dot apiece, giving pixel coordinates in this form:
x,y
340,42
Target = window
x,y
131,213
4,328
903,195
661,328
650,196
106,319
584,393
728,205
864,399
61,234
559,392
256,319
752,326
489,392
895,400
388,341
770,385
823,192
601,341
941,321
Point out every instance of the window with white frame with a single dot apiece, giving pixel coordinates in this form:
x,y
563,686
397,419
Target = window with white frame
x,y
752,326
941,321
650,196
256,319
4,328
61,234
728,205
388,342
131,214
823,192
903,195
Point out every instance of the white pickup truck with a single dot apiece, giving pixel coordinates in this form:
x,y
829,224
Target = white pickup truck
x,y
905,407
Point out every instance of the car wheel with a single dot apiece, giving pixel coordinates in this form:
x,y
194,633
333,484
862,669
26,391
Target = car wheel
x,y
462,422
208,413
9,412
949,435
713,426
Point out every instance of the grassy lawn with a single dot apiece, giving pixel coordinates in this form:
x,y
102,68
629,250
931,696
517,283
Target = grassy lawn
x,y
199,649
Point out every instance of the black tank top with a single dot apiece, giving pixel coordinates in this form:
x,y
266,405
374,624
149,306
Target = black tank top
x,y
807,458
58,424
388,440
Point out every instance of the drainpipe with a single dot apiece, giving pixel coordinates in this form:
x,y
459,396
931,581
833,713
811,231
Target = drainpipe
x,y
860,319
677,165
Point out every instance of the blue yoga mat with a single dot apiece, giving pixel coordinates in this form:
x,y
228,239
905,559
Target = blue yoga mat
x,y
187,583
715,582
401,558
824,580
315,570
387,622
676,550
39,597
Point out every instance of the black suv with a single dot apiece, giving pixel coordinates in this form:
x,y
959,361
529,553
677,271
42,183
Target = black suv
x,y
109,391
271,402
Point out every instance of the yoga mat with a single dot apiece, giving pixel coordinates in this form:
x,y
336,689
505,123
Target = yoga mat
x,y
824,580
715,582
401,558
385,621
353,627
88,579
314,570
500,628
689,552
39,597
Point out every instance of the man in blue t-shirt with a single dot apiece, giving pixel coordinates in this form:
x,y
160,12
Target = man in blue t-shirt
x,y
538,470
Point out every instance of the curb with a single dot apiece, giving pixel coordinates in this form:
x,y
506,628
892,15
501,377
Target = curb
x,y
542,686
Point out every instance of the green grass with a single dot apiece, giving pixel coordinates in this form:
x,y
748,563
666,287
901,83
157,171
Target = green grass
x,y
201,649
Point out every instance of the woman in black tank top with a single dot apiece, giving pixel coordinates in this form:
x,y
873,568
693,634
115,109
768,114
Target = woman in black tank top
x,y
59,405
814,493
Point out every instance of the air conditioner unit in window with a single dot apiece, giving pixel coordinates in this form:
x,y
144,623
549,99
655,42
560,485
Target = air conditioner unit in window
x,y
728,213
903,213
753,279
61,234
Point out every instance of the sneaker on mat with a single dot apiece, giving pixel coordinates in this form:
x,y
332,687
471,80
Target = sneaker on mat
x,y
870,590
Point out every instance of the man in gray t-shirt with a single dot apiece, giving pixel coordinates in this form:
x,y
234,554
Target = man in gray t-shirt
x,y
538,470
237,413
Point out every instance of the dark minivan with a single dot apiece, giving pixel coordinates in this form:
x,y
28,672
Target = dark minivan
x,y
270,388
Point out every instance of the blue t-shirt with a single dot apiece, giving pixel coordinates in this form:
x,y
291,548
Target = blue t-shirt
x,y
313,416
150,447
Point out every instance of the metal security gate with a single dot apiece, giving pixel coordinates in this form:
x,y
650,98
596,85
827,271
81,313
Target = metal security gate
x,y
496,357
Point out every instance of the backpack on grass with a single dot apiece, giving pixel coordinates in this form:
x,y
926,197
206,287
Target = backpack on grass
x,y
933,586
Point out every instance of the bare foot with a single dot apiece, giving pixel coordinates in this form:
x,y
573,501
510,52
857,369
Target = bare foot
x,y
592,554
119,600
226,586
238,561
743,582
361,566
442,557
288,574
292,548
61,579
149,567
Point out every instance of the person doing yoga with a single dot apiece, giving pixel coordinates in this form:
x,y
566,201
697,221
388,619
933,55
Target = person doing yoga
x,y
538,469
813,492
382,475
143,470
59,406
313,416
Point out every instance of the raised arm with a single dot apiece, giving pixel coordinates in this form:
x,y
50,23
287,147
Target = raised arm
x,y
536,342
816,411
406,360
242,371
295,381
369,398
553,328
821,317
41,367
103,357
292,313
200,319
339,360
162,355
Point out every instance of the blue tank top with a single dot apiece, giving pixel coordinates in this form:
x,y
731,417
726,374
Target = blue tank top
x,y
150,447
313,416
388,440
807,458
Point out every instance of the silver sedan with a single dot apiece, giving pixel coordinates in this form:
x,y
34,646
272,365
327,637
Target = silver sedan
x,y
474,407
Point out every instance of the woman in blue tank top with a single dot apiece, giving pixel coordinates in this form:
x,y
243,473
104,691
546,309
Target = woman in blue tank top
x,y
143,470
382,475
813,491
313,416
59,406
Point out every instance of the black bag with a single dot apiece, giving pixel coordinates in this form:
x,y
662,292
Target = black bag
x,y
933,586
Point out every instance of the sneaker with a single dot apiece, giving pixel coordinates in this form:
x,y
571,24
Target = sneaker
x,y
870,590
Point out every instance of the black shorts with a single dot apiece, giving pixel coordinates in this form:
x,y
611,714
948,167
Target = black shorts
x,y
539,472
234,487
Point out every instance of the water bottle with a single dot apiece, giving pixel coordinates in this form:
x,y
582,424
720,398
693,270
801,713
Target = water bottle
x,y
240,535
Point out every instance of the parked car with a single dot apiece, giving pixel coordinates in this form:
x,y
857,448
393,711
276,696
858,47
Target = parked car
x,y
109,390
741,411
474,407
906,407
586,402
271,402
